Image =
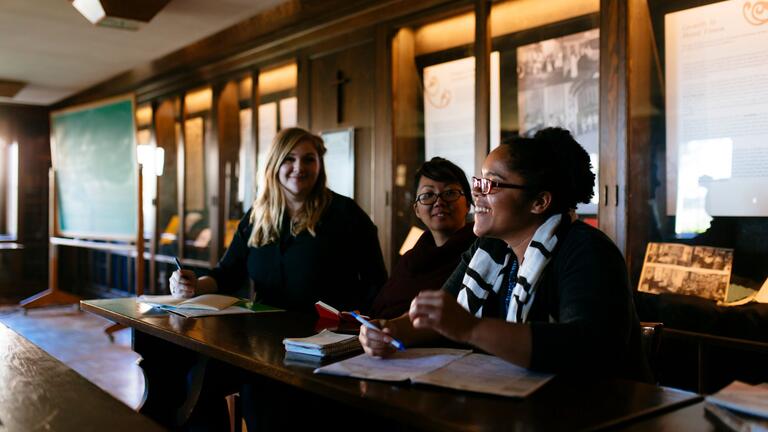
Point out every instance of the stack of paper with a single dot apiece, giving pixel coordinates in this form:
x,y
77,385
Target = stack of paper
x,y
325,343
740,406
444,367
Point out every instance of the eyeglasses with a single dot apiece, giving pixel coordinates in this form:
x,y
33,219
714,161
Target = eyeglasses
x,y
448,195
487,186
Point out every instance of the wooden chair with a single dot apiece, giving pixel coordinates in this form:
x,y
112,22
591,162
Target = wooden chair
x,y
650,338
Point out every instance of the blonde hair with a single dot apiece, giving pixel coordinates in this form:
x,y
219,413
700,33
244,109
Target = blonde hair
x,y
269,206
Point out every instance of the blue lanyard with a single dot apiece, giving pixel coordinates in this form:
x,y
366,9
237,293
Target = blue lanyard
x,y
510,285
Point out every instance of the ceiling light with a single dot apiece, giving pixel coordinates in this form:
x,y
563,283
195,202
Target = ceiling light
x,y
127,15
9,88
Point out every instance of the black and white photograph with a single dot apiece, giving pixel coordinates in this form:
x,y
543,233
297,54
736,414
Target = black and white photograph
x,y
700,271
558,85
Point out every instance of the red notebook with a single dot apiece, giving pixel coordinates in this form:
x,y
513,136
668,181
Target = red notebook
x,y
327,312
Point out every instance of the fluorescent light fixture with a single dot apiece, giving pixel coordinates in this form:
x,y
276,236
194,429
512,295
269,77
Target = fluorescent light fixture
x,y
120,14
92,10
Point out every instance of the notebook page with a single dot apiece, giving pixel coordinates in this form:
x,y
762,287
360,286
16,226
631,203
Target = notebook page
x,y
401,366
483,373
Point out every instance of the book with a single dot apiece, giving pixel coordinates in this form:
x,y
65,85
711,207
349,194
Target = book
x,y
730,420
210,302
324,344
329,313
444,367
206,305
743,397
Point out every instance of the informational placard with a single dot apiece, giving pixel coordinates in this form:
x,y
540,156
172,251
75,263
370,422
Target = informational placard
x,y
449,111
559,85
267,132
716,60
340,160
288,112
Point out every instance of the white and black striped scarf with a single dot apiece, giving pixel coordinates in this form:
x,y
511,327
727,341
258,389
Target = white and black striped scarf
x,y
486,270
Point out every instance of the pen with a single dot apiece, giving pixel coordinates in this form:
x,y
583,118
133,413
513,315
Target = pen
x,y
394,342
178,263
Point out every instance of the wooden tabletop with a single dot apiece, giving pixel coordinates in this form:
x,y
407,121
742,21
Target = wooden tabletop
x,y
690,418
39,393
254,342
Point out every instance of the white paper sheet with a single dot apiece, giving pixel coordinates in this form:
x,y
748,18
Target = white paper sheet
x,y
483,373
401,366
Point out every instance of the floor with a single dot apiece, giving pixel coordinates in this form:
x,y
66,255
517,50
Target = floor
x,y
78,340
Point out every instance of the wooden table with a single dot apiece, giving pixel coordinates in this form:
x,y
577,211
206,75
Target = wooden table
x,y
253,342
690,418
39,393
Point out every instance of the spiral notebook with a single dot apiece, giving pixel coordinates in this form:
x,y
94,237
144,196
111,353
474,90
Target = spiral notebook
x,y
326,343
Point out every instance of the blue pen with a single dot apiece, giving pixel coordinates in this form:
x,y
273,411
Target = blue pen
x,y
178,263
394,342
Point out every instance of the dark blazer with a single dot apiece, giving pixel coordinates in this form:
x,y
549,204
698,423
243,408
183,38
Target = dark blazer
x,y
342,265
583,319
425,267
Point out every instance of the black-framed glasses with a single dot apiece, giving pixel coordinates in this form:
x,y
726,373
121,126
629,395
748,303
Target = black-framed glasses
x,y
448,195
487,186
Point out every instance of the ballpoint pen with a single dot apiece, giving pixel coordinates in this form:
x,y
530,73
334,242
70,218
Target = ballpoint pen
x,y
394,342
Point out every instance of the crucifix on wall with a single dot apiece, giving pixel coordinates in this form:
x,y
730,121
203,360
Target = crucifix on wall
x,y
339,84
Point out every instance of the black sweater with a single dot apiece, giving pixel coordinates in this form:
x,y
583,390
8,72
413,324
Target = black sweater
x,y
342,265
583,318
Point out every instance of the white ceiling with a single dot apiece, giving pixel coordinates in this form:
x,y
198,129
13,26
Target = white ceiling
x,y
49,45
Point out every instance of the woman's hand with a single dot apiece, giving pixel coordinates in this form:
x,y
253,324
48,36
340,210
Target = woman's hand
x,y
376,342
183,283
439,311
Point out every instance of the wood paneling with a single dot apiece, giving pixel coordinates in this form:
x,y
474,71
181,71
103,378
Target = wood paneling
x,y
381,212
28,126
613,120
357,64
482,82
408,144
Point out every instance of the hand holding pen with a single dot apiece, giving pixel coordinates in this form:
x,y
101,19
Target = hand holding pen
x,y
183,282
376,340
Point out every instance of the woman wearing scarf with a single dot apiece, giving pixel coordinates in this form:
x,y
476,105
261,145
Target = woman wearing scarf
x,y
537,289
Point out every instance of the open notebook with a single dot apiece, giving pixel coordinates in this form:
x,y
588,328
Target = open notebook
x,y
205,305
444,367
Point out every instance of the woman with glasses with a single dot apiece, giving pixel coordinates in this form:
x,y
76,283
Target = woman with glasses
x,y
537,288
443,198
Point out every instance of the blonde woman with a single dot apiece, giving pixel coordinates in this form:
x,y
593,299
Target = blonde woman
x,y
300,242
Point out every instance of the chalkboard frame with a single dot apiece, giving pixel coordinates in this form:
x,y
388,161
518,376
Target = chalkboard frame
x,y
57,230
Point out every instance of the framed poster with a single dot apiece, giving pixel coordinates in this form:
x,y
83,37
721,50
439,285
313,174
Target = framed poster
x,y
558,85
340,160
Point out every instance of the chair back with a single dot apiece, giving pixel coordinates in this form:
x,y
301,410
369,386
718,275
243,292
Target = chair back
x,y
650,337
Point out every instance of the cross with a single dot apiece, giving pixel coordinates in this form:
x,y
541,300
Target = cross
x,y
340,81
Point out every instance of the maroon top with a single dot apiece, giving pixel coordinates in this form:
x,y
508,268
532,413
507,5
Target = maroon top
x,y
425,267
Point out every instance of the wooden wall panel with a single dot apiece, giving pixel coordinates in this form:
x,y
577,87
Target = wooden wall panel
x,y
613,120
357,66
28,126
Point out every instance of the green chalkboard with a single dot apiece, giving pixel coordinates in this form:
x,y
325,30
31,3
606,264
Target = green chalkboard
x,y
96,173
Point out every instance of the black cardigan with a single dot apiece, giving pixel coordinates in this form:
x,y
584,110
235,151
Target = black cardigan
x,y
342,265
583,318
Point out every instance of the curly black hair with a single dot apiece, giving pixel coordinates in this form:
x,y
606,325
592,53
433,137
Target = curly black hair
x,y
553,161
443,170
